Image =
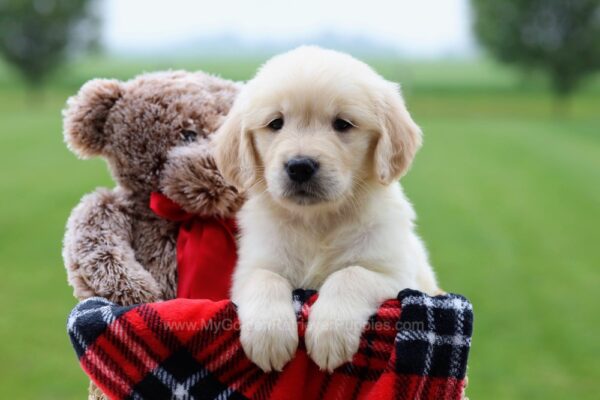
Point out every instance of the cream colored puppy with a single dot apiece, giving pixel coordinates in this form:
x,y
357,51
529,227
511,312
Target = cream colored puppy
x,y
319,140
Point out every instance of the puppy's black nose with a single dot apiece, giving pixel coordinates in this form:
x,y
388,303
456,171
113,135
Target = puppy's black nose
x,y
301,169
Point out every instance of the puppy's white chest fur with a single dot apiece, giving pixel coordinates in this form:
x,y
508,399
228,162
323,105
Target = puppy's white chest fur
x,y
305,250
315,250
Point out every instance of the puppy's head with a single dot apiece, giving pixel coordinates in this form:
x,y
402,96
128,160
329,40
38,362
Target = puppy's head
x,y
313,128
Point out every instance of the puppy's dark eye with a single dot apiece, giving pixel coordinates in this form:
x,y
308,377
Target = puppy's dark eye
x,y
188,136
276,124
341,125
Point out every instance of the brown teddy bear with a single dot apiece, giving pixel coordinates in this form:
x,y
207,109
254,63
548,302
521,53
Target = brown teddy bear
x,y
153,131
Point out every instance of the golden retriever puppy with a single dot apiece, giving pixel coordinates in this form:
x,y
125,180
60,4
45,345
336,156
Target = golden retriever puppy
x,y
318,140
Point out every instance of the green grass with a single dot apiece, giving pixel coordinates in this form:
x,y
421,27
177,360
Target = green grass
x,y
506,191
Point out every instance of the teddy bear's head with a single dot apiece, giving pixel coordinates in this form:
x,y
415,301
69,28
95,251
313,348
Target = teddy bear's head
x,y
144,125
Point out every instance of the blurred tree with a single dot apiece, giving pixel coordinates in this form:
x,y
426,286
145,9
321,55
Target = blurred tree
x,y
560,37
36,36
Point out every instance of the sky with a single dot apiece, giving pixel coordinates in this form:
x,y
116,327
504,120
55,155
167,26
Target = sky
x,y
415,28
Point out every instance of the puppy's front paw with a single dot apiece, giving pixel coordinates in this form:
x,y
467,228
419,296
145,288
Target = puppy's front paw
x,y
270,338
332,335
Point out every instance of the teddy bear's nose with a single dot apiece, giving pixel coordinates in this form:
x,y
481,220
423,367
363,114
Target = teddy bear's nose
x,y
301,169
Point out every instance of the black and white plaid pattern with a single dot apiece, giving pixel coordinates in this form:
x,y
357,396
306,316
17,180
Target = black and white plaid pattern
x,y
95,315
435,334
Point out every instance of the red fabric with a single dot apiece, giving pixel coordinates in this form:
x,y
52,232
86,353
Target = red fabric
x,y
206,251
155,350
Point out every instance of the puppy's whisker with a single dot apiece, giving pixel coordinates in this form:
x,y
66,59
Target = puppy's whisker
x,y
258,182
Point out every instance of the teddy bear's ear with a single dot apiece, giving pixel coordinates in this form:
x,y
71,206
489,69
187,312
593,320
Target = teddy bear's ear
x,y
85,116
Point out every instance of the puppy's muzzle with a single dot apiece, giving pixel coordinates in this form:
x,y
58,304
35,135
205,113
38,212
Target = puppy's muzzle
x,y
301,169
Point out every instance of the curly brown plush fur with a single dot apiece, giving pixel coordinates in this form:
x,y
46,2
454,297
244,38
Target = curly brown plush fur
x,y
210,194
153,131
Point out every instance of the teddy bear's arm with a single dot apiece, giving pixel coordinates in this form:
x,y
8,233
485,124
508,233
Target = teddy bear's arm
x,y
98,255
192,180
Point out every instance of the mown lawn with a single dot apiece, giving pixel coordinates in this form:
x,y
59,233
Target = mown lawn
x,y
506,191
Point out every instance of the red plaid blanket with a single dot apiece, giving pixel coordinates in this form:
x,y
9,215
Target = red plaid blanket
x,y
415,347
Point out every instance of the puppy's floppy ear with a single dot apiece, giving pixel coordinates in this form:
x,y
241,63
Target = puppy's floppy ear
x,y
85,116
234,151
399,136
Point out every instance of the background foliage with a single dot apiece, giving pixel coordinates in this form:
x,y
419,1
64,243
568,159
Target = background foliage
x,y
36,37
559,37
